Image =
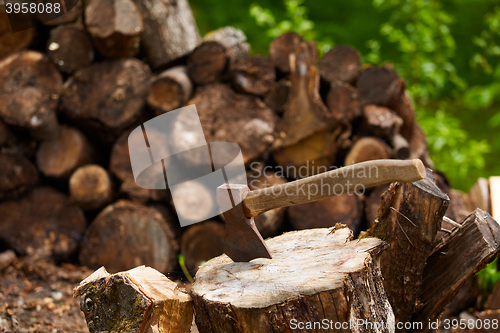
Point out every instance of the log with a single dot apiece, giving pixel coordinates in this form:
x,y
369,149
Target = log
x,y
400,147
479,196
60,156
344,100
90,187
170,90
218,52
345,208
281,48
493,301
379,85
127,234
115,27
227,116
403,106
341,63
69,48
201,242
380,121
30,101
366,149
409,218
17,175
108,96
254,75
70,16
58,229
267,295
418,146
170,31
277,97
372,203
11,42
139,300
454,260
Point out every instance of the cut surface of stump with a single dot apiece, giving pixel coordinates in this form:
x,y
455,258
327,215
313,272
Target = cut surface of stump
x,y
90,187
127,234
17,174
341,63
314,274
139,300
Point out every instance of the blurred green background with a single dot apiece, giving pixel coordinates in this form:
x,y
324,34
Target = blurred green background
x,y
447,51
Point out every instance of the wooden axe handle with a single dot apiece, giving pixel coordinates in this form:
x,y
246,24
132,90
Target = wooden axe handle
x,y
348,179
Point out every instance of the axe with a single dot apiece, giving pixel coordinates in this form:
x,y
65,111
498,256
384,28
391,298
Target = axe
x,y
243,242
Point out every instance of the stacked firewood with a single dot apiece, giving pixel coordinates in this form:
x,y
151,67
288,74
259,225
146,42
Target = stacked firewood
x,y
70,96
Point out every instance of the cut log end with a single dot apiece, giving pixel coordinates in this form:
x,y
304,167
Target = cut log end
x,y
341,63
90,187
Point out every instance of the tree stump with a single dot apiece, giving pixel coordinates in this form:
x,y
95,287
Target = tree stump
x,y
315,275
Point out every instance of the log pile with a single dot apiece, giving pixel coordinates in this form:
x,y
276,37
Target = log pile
x,y
66,110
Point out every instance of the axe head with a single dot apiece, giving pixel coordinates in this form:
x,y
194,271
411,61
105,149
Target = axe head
x,y
242,241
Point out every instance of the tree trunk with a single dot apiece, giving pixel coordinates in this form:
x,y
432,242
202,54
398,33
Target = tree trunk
x,y
341,63
17,174
127,234
139,300
43,223
60,156
254,75
170,31
115,27
90,187
366,149
170,90
343,101
31,93
12,42
267,295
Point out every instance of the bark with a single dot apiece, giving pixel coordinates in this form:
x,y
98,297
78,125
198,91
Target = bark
x,y
246,297
127,234
90,187
170,90
170,31
254,75
277,97
366,149
344,100
281,48
341,63
58,228
12,42
115,27
403,106
379,85
17,175
139,300
372,203
30,93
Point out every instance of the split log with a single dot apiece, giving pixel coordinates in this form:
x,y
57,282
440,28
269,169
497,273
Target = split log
x,y
281,48
60,156
17,174
380,121
372,203
344,100
400,147
69,48
254,75
341,63
345,208
127,234
31,93
139,300
479,196
115,27
277,97
58,226
218,53
202,242
170,90
227,116
366,149
299,289
409,218
70,16
379,85
90,187
11,42
454,260
170,31
108,96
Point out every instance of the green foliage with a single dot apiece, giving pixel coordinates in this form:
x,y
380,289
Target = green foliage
x,y
488,277
182,263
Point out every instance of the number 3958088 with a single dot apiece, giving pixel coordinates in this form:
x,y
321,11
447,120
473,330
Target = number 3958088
x,y
33,8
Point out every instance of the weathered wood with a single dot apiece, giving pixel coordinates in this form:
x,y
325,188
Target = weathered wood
x,y
30,93
115,27
60,156
277,97
139,300
281,48
12,42
201,242
243,119
69,48
345,208
170,90
344,100
299,289
17,174
341,63
254,75
454,260
127,234
90,187
43,223
366,149
380,121
409,218
108,96
495,196
218,52
479,196
379,85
